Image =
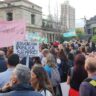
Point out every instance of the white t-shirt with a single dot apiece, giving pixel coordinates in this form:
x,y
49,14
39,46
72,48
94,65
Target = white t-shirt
x,y
46,93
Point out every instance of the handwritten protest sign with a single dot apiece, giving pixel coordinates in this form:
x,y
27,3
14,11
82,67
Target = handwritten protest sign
x,y
24,49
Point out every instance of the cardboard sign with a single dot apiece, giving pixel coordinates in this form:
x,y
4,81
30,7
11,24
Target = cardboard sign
x,y
24,49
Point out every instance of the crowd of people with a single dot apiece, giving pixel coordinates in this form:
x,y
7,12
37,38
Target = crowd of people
x,y
73,62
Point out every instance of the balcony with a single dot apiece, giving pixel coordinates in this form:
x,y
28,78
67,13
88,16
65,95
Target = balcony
x,y
51,26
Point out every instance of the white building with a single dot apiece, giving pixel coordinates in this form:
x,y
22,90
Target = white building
x,y
67,16
22,9
32,14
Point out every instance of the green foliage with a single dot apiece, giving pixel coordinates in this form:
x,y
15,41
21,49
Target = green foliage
x,y
80,32
94,38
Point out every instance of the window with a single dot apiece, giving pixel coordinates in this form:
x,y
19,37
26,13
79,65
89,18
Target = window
x,y
9,16
43,24
32,19
33,6
89,31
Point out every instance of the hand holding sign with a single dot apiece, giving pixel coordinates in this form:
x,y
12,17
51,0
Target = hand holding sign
x,y
26,49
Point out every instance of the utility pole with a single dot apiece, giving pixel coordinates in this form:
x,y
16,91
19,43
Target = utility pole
x,y
57,19
49,8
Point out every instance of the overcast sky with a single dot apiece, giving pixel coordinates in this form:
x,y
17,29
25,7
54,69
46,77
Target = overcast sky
x,y
83,7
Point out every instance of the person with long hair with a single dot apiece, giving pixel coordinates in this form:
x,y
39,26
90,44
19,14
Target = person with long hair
x,y
76,75
41,82
63,66
53,72
37,61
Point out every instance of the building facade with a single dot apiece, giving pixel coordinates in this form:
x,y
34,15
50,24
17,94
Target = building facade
x,y
22,9
32,14
52,29
90,26
67,16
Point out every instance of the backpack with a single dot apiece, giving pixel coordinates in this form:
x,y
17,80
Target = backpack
x,y
91,82
55,77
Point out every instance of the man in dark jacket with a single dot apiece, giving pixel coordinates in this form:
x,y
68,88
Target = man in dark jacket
x,y
3,62
20,83
5,76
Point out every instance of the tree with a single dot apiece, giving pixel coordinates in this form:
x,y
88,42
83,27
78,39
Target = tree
x,y
79,32
94,38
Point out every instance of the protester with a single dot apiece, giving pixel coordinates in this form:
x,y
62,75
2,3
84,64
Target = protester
x,y
63,66
41,82
20,83
49,69
92,46
72,51
88,86
45,52
9,51
76,75
3,61
70,60
78,51
52,70
4,49
13,60
41,47
67,48
83,50
53,51
37,61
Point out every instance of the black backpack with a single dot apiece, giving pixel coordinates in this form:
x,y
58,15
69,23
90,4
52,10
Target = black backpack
x,y
91,82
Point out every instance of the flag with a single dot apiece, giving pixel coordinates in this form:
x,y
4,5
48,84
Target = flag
x,y
11,31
